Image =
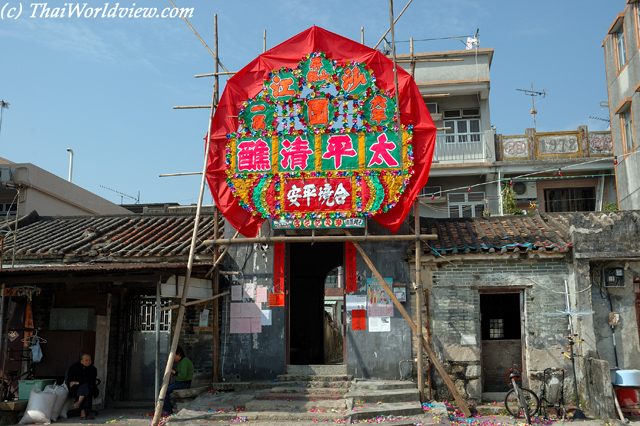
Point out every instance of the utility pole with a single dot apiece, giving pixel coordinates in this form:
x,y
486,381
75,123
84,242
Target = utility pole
x,y
533,94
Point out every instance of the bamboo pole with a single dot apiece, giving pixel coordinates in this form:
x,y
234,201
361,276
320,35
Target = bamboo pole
x,y
413,62
419,59
264,41
192,250
392,22
194,302
420,362
215,347
215,264
180,174
395,69
321,239
192,107
443,373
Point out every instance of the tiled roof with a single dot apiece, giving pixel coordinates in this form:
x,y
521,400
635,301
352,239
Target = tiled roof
x,y
499,234
112,238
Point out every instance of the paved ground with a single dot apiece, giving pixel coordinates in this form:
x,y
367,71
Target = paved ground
x,y
143,417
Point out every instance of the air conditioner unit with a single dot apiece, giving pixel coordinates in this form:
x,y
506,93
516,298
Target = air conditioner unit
x,y
5,174
612,277
525,190
431,194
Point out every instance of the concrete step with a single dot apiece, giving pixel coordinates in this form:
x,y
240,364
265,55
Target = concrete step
x,y
493,396
385,395
322,378
309,390
296,405
382,384
317,369
373,410
293,417
299,396
491,409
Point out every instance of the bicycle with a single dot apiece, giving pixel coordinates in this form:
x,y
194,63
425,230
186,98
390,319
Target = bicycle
x,y
520,402
552,393
10,385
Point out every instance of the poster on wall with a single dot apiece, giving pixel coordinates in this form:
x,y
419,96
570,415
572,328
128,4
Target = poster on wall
x,y
358,319
379,303
379,324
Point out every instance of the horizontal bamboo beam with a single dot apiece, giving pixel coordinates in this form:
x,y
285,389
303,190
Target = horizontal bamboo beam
x,y
321,239
180,174
213,74
193,107
418,59
195,302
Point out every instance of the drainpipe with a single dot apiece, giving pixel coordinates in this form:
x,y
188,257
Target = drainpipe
x,y
500,204
70,162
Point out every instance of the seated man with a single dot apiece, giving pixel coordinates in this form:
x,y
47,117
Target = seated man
x,y
81,379
183,372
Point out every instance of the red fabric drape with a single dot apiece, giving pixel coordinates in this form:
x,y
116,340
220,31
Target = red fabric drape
x,y
247,83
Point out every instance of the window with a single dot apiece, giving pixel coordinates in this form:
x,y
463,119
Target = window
x,y
465,204
621,50
627,130
8,208
463,124
570,200
496,328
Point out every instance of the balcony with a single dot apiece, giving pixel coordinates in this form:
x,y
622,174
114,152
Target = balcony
x,y
463,151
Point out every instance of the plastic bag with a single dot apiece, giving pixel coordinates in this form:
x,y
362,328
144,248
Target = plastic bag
x,y
36,351
39,407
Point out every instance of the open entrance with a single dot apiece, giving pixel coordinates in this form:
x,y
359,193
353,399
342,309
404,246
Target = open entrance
x,y
501,325
316,304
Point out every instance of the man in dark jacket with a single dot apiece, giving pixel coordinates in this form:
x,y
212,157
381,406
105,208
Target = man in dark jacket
x,y
183,373
81,379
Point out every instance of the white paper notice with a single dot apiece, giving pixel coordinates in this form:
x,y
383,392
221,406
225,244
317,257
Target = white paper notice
x,y
379,324
266,317
356,302
249,290
204,318
261,294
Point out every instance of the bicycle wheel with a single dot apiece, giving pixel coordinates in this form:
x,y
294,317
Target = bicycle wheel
x,y
528,397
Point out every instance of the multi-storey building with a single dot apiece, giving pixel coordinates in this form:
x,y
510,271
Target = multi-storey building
x,y
622,62
550,172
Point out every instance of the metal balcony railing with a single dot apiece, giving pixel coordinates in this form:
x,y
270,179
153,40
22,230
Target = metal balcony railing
x,y
460,151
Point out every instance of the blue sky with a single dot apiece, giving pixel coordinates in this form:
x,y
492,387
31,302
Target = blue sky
x,y
106,87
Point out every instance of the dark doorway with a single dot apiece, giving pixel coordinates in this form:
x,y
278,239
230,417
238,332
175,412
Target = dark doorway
x,y
309,265
501,325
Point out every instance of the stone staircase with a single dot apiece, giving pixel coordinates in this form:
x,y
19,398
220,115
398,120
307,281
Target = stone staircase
x,y
312,393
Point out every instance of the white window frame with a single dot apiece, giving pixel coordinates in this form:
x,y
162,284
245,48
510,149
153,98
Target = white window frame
x,y
466,205
627,130
621,49
459,124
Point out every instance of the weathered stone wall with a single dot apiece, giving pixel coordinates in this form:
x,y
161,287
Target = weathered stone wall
x,y
454,305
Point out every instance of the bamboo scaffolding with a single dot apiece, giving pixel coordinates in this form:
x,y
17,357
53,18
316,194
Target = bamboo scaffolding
x,y
215,74
321,239
432,356
420,362
194,302
392,22
185,290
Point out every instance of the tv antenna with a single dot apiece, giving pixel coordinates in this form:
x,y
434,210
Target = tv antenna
x,y
122,195
533,94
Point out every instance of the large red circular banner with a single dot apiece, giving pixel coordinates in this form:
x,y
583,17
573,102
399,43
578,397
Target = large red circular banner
x,y
306,135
